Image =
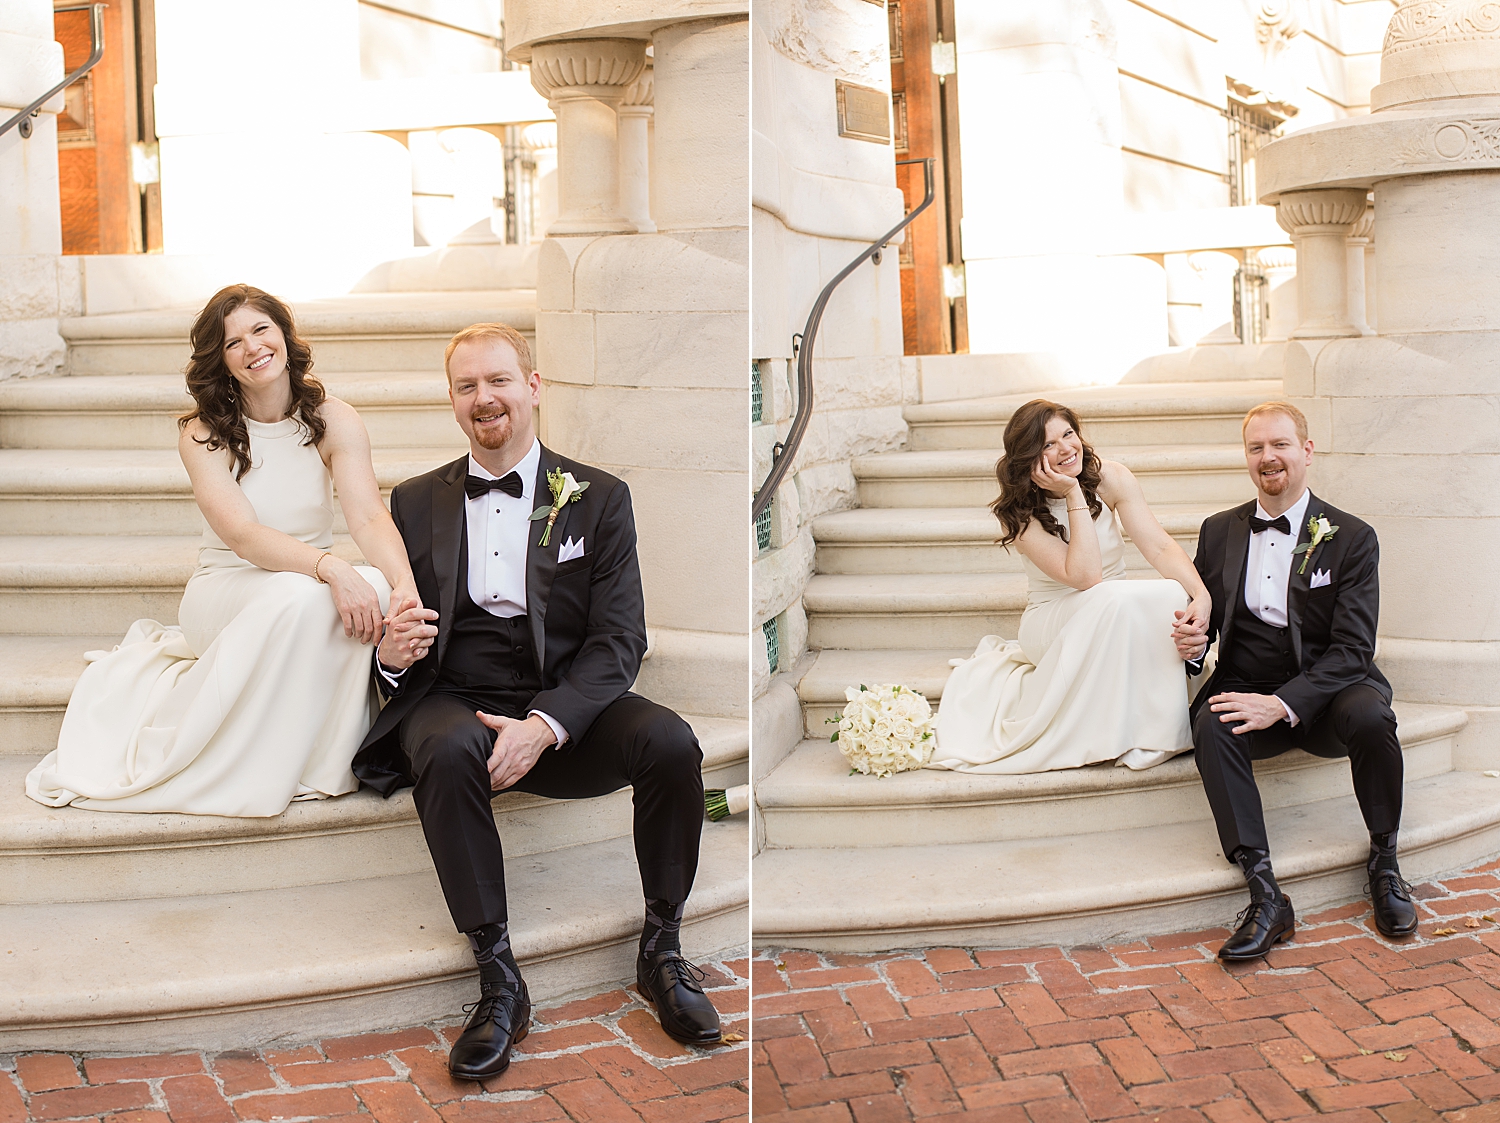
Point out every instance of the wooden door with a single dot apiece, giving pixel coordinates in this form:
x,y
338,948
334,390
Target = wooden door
x,y
105,113
925,116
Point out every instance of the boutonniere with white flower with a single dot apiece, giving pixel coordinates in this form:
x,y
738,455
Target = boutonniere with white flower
x,y
1321,531
884,729
565,489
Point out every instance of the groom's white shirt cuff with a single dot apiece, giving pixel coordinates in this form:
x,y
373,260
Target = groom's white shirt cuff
x,y
394,678
1291,717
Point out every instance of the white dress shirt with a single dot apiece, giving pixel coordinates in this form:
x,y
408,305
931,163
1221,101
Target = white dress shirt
x,y
1268,571
497,526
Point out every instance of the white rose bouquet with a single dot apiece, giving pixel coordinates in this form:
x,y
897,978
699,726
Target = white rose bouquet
x,y
884,729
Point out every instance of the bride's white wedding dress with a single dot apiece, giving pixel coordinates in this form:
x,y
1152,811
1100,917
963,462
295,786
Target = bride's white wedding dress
x,y
256,699
1094,676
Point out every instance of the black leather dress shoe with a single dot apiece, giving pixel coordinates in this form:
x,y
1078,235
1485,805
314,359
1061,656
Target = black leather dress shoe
x,y
1262,925
501,1017
675,987
1395,915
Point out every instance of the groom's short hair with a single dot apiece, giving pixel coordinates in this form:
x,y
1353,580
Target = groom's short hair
x,y
1284,408
503,332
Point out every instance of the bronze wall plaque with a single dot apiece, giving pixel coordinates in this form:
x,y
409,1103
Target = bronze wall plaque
x,y
864,113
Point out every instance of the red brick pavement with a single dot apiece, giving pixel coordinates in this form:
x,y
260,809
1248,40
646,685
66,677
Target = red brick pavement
x,y
602,1059
1340,1022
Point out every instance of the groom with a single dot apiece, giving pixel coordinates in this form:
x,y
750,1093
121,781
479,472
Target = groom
x,y
1296,595
516,677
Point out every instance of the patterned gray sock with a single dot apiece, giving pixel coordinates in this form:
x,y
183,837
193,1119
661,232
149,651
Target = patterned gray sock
x,y
1256,866
1382,851
497,966
663,923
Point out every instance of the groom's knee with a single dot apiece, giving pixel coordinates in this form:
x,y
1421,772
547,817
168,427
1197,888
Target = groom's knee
x,y
447,750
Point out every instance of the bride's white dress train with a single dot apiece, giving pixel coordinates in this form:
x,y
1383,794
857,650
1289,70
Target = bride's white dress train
x,y
257,698
1093,676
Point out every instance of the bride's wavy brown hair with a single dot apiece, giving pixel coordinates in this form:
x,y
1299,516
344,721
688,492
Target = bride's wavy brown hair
x,y
213,388
1021,500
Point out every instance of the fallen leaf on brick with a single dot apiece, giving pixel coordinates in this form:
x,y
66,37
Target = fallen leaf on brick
x,y
1445,931
731,1038
1364,1052
1471,923
781,966
1395,1056
1308,1058
1491,919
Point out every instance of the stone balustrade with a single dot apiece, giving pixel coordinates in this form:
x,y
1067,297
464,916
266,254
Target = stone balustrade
x,y
1319,222
584,82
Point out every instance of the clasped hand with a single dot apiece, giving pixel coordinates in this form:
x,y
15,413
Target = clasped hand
x,y
518,744
1190,631
409,631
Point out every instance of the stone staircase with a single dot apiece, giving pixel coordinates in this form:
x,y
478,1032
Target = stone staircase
x,y
172,931
913,578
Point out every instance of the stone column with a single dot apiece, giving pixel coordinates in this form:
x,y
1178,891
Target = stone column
x,y
1355,244
540,140
584,80
1278,264
1318,222
36,284
702,171
634,116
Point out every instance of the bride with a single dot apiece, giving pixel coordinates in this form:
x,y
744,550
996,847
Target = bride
x,y
263,693
1095,674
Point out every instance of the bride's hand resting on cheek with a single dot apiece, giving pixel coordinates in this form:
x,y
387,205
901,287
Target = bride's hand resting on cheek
x,y
1052,481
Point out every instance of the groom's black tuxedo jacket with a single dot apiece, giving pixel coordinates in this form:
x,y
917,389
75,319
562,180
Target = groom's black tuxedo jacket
x,y
1332,627
587,615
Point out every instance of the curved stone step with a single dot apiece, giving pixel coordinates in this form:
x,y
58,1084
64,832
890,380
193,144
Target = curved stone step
x,y
361,331
915,609
810,800
231,970
1101,887
1152,413
53,854
1168,474
401,409
953,539
137,491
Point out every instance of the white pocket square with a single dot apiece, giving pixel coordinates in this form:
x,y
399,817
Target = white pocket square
x,y
1320,578
570,550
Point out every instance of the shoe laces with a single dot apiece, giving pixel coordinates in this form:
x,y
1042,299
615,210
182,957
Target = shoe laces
x,y
689,975
1249,909
1397,885
483,1010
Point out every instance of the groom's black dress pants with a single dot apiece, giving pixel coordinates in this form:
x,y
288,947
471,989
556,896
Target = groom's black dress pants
x,y
1357,723
634,742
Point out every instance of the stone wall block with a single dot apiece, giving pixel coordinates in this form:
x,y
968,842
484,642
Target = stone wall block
x,y
31,347
1409,366
702,108
565,347
698,672
763,440
1438,426
779,576
680,430
686,349
663,273
1438,486
827,487
557,258
29,286
841,434
1428,580
786,513
857,383
694,535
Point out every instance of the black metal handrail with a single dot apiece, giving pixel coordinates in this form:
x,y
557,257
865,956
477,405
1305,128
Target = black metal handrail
x,y
786,451
96,42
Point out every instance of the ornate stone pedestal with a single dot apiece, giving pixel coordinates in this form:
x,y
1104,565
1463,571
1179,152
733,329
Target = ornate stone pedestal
x,y
1407,422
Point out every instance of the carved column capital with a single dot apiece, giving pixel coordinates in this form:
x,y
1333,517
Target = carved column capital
x,y
1320,212
597,68
640,94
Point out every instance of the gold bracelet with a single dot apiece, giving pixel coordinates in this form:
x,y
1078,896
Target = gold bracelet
x,y
316,575
1085,507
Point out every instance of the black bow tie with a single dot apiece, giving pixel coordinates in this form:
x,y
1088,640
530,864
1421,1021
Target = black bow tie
x,y
510,483
1258,525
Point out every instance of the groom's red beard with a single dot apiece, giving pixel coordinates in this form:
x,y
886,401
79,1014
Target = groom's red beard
x,y
1273,486
493,436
